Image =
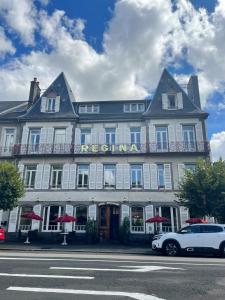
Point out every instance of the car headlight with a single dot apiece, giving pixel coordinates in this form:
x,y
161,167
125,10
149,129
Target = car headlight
x,y
157,237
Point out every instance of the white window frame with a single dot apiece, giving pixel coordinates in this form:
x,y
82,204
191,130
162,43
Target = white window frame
x,y
7,149
79,228
135,133
51,105
58,170
136,168
161,131
128,107
175,100
89,108
27,227
83,176
137,229
189,145
30,172
111,133
57,227
34,147
85,134
158,176
114,169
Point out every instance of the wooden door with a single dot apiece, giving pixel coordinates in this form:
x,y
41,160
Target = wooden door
x,y
104,222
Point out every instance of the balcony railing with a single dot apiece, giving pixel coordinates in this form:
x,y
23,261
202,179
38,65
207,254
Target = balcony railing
x,y
95,149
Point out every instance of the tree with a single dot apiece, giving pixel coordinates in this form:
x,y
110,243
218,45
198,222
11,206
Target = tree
x,y
11,186
203,190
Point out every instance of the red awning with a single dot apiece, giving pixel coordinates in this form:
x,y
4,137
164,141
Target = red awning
x,y
157,219
32,216
65,219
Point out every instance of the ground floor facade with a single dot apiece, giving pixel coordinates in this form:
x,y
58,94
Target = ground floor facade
x,y
107,208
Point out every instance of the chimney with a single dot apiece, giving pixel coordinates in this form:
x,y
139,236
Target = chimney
x,y
35,92
193,90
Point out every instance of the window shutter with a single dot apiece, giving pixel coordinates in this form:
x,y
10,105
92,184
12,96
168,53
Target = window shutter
x,y
99,176
171,132
38,177
164,101
184,215
126,176
92,212
199,136
66,176
179,133
46,177
35,223
43,104
57,104
1,215
181,168
92,179
13,219
101,136
72,179
68,138
69,212
21,170
43,140
125,212
24,140
146,175
119,135
180,100
167,176
154,177
152,139
94,136
143,137
149,213
126,134
49,140
77,140
119,176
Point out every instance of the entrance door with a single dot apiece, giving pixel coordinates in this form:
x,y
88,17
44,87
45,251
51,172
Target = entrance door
x,y
109,222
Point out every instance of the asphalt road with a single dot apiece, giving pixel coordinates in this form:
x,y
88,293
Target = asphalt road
x,y
58,276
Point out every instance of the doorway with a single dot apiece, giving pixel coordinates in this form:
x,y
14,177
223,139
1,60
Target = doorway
x,y
109,219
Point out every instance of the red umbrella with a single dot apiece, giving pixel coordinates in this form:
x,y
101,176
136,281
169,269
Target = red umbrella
x,y
195,220
157,219
65,219
31,216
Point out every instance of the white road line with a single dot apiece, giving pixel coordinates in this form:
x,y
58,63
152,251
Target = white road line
x,y
139,269
137,296
46,276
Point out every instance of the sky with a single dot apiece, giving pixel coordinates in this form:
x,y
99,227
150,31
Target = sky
x,y
116,49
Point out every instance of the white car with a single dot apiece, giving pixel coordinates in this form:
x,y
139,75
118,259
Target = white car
x,y
193,238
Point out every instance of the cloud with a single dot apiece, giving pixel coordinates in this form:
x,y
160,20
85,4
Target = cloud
x,y
217,144
6,46
20,17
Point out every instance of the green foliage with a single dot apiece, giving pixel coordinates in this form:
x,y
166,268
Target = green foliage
x,y
11,186
124,230
203,190
91,231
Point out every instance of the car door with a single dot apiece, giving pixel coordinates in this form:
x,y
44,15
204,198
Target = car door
x,y
212,235
190,236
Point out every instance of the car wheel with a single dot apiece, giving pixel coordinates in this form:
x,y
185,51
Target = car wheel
x,y
171,248
222,250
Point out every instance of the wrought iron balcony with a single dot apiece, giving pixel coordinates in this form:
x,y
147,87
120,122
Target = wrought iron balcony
x,y
71,149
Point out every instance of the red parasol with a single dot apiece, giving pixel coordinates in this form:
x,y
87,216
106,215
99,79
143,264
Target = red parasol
x,y
31,216
157,219
65,219
195,221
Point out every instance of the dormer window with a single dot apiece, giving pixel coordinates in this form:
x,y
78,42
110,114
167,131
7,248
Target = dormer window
x,y
172,101
89,109
133,107
50,104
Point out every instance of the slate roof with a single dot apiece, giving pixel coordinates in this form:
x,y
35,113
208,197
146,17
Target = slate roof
x,y
168,84
12,109
61,88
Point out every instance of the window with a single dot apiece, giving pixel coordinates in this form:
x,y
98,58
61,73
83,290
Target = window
x,y
29,178
89,109
9,139
34,140
135,136
160,175
50,214
59,140
210,228
85,135
51,105
189,137
172,101
161,138
136,176
137,219
110,136
81,215
190,167
109,176
56,177
25,224
133,107
83,176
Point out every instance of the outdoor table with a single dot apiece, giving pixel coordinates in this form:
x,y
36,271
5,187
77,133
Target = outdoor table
x,y
64,243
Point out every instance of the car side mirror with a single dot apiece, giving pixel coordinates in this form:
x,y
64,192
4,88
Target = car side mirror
x,y
183,231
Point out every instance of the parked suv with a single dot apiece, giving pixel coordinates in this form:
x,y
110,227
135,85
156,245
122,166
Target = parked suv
x,y
193,238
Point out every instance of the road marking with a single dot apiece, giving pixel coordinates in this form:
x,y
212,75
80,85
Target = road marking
x,y
140,269
137,296
46,276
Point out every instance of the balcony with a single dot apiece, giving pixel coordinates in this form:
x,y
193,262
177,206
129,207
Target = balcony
x,y
122,149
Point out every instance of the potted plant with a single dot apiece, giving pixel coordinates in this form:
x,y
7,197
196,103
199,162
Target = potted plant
x,y
124,231
91,231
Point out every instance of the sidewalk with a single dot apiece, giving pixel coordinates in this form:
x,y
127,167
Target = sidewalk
x,y
96,248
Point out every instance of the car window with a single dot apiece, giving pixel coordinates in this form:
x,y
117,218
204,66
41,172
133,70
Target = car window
x,y
211,228
195,229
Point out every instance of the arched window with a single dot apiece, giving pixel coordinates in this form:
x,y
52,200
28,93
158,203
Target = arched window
x,y
50,214
81,215
25,224
137,219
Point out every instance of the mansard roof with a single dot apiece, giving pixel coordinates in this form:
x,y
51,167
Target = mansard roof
x,y
12,109
59,87
167,84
